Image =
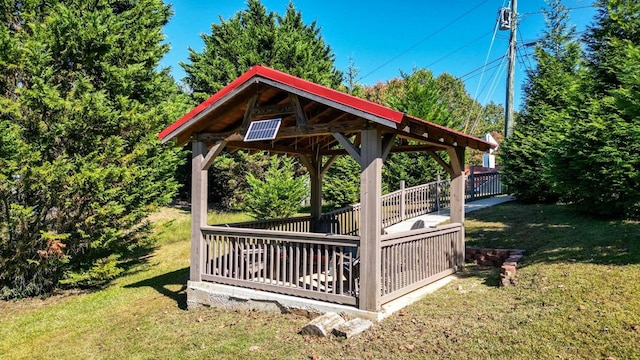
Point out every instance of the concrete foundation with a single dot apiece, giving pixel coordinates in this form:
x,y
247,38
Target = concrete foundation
x,y
235,298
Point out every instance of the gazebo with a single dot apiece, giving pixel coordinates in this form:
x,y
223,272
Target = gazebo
x,y
342,257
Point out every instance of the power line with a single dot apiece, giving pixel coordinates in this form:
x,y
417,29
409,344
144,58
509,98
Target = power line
x,y
568,9
458,49
523,43
461,77
423,40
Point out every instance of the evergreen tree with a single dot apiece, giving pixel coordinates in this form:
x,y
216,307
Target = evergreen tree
x,y
253,36
597,166
80,163
279,195
544,119
341,184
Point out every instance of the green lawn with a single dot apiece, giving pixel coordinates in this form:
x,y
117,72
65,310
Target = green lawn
x,y
577,297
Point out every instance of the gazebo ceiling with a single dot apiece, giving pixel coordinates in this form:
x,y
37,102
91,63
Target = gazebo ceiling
x,y
313,117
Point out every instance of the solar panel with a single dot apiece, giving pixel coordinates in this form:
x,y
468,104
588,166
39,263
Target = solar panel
x,y
263,130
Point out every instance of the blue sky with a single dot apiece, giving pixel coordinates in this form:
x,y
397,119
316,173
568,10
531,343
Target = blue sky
x,y
383,38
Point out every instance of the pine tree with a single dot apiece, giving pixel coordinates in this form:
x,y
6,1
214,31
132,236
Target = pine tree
x,y
279,195
544,119
598,162
255,37
80,163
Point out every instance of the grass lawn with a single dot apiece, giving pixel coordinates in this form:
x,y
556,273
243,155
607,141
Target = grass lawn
x,y
577,297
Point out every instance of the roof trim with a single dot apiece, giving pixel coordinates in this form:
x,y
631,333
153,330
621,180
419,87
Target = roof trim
x,y
294,82
358,106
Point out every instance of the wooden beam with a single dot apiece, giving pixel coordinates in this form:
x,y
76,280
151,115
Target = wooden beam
x,y
306,161
441,161
301,117
212,154
328,163
323,100
457,198
351,148
387,144
262,146
248,113
273,110
316,189
183,137
370,220
321,129
198,208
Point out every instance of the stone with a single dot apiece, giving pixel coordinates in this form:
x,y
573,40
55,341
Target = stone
x,y
509,269
352,327
322,325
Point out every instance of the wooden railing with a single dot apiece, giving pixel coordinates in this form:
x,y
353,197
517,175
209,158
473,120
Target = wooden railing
x,y
410,202
397,206
311,265
484,185
344,221
294,224
416,258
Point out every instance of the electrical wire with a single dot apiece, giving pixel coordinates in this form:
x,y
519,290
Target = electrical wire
x,y
493,38
424,39
459,49
461,77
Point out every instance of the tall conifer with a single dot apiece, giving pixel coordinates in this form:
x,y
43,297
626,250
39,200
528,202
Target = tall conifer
x,y
80,164
544,118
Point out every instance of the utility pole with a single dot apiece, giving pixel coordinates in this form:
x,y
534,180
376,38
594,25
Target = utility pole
x,y
508,110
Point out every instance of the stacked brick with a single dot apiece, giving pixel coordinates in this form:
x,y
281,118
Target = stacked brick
x,y
506,259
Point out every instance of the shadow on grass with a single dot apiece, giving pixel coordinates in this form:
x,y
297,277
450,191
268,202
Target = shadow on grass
x,y
161,284
555,233
489,275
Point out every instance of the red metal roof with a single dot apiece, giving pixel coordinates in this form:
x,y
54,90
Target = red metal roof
x,y
298,83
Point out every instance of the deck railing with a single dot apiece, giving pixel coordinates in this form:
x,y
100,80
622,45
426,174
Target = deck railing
x,y
315,266
294,224
397,206
344,221
484,185
417,258
410,202
319,260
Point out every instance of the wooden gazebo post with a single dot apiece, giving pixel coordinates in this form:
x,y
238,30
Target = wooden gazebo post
x,y
370,219
457,196
198,207
201,160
